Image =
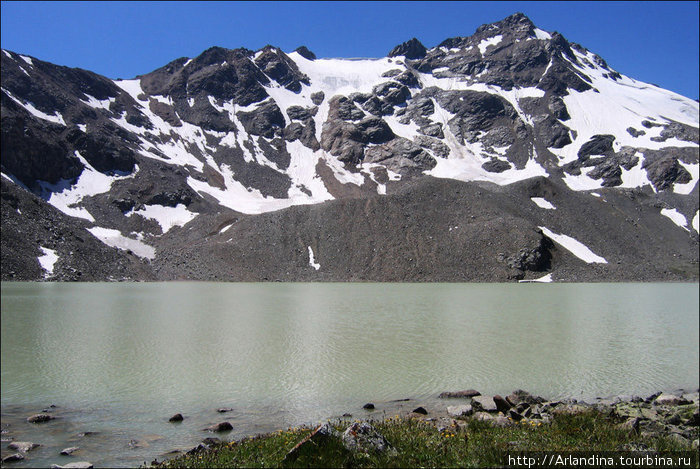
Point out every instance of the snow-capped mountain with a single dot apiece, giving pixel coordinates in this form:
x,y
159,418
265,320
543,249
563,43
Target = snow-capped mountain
x,y
508,154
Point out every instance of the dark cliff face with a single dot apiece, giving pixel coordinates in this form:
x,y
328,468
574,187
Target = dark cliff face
x,y
172,158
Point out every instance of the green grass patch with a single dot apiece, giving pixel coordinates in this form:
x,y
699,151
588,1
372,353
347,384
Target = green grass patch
x,y
420,444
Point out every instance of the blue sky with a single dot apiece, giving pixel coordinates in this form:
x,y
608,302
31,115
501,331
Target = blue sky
x,y
656,42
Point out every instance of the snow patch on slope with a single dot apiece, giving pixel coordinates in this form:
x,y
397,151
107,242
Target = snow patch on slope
x,y
676,217
66,196
575,247
56,118
543,203
115,239
492,41
167,217
311,260
48,260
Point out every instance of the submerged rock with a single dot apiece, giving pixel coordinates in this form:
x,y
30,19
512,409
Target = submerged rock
x,y
465,393
13,458
220,427
39,418
74,465
69,451
23,446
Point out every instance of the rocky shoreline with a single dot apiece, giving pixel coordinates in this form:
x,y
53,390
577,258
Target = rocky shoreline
x,y
674,415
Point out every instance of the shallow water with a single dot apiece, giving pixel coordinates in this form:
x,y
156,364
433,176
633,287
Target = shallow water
x,y
119,359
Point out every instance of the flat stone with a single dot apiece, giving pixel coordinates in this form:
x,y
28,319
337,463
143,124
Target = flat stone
x,y
460,394
460,410
74,465
13,458
23,446
669,399
485,403
40,418
69,451
222,410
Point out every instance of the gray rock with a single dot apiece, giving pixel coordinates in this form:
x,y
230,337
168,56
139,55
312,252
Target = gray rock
x,y
223,410
69,451
501,404
317,97
40,418
12,458
305,52
669,399
23,446
459,394
74,465
412,49
631,425
220,427
459,410
495,165
311,443
362,437
597,145
484,403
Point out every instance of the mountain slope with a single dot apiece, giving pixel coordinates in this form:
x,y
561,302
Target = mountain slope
x,y
246,165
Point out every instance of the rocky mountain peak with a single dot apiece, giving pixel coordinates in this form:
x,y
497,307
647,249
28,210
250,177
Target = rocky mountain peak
x,y
516,24
305,52
172,159
412,49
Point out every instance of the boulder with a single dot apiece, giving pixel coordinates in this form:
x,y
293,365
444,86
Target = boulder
x,y
362,437
368,406
23,446
459,410
484,403
13,458
501,404
74,465
176,418
420,410
320,437
669,399
459,394
220,427
40,418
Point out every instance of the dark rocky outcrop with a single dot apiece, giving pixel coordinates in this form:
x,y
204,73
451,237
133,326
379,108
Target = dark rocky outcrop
x,y
412,49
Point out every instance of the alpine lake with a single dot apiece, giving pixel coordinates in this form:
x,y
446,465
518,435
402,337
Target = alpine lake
x,y
116,360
